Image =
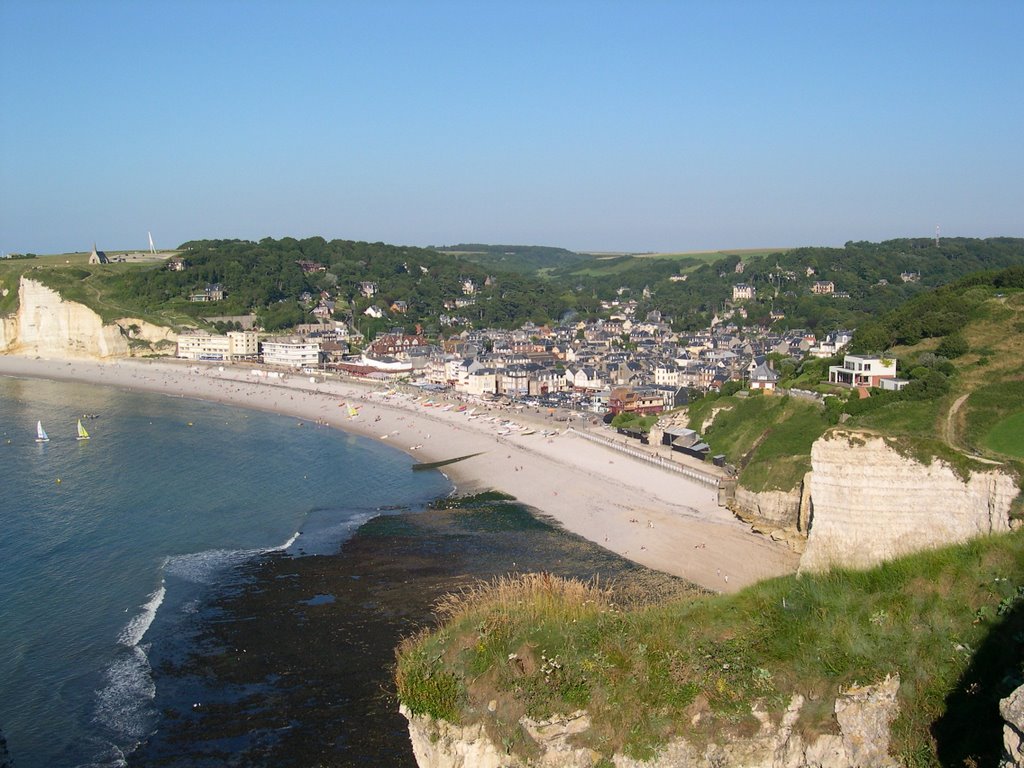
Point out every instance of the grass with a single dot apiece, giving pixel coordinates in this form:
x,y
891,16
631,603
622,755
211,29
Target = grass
x,y
993,408
1007,437
911,418
949,622
768,437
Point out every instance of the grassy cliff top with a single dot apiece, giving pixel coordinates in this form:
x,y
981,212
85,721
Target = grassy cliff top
x,y
950,623
94,285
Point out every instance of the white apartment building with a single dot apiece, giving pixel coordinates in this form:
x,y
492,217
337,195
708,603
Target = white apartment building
x,y
666,376
202,345
483,381
291,352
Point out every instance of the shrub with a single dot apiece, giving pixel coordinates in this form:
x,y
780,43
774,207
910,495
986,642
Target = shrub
x,y
953,346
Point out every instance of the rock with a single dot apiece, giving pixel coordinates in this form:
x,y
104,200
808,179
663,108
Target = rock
x,y
1012,710
772,509
437,744
864,715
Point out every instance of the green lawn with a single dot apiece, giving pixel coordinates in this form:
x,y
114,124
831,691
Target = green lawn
x,y
1007,437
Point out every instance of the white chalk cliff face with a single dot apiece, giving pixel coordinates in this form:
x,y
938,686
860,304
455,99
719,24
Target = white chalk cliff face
x,y
870,504
49,326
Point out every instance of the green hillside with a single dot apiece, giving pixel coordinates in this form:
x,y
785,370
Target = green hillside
x,y
526,259
266,278
963,404
530,282
869,278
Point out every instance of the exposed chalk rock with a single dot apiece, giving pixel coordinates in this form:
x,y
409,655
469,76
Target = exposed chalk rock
x,y
47,325
1012,710
864,715
780,508
871,504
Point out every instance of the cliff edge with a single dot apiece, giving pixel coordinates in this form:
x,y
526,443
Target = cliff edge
x,y
47,325
863,715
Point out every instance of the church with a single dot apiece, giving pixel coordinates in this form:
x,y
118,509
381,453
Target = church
x,y
98,257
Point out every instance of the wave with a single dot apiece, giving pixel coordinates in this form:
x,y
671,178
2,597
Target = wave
x,y
132,632
124,705
206,566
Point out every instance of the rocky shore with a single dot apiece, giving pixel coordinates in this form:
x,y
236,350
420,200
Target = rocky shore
x,y
292,665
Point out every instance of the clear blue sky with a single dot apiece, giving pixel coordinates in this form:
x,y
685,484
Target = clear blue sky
x,y
588,125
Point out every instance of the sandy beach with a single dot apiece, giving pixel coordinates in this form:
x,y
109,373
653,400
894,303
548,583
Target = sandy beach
x,y
651,516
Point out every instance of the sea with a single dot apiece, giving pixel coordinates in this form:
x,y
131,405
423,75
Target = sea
x,y
106,543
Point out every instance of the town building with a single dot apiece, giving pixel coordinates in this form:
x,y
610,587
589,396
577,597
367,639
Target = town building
x,y
291,352
763,377
862,371
203,345
743,292
637,400
823,287
211,292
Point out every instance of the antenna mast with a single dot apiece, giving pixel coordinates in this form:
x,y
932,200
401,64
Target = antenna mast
x,y
152,248
936,235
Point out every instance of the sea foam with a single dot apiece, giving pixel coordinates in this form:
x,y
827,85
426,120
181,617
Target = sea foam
x,y
135,629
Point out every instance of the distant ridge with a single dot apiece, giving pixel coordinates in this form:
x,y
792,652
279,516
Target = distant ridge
x,y
526,259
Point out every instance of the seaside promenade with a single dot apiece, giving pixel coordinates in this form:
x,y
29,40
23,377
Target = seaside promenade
x,y
661,519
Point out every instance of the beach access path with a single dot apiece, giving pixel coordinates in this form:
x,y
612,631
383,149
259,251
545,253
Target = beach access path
x,y
654,517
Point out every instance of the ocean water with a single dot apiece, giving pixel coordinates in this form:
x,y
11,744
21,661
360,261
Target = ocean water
x,y
99,537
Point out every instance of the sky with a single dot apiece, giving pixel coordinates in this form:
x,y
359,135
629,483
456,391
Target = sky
x,y
604,126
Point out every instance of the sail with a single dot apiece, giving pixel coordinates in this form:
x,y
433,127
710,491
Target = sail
x,y
41,436
82,434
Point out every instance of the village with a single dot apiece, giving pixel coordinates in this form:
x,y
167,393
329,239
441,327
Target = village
x,y
621,363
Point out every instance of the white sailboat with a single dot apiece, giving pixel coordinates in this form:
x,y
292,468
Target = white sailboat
x,y
41,436
82,434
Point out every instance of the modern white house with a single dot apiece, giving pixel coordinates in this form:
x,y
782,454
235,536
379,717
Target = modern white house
x,y
862,371
291,352
203,345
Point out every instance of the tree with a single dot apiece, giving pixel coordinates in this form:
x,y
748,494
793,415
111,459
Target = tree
x,y
953,346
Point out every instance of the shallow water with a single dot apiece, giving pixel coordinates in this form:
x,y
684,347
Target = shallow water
x,y
106,541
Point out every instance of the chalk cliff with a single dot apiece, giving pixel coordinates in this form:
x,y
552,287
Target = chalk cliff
x,y
869,503
49,326
1012,710
863,714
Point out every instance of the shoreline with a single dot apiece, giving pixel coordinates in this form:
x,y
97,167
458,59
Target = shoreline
x,y
655,518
